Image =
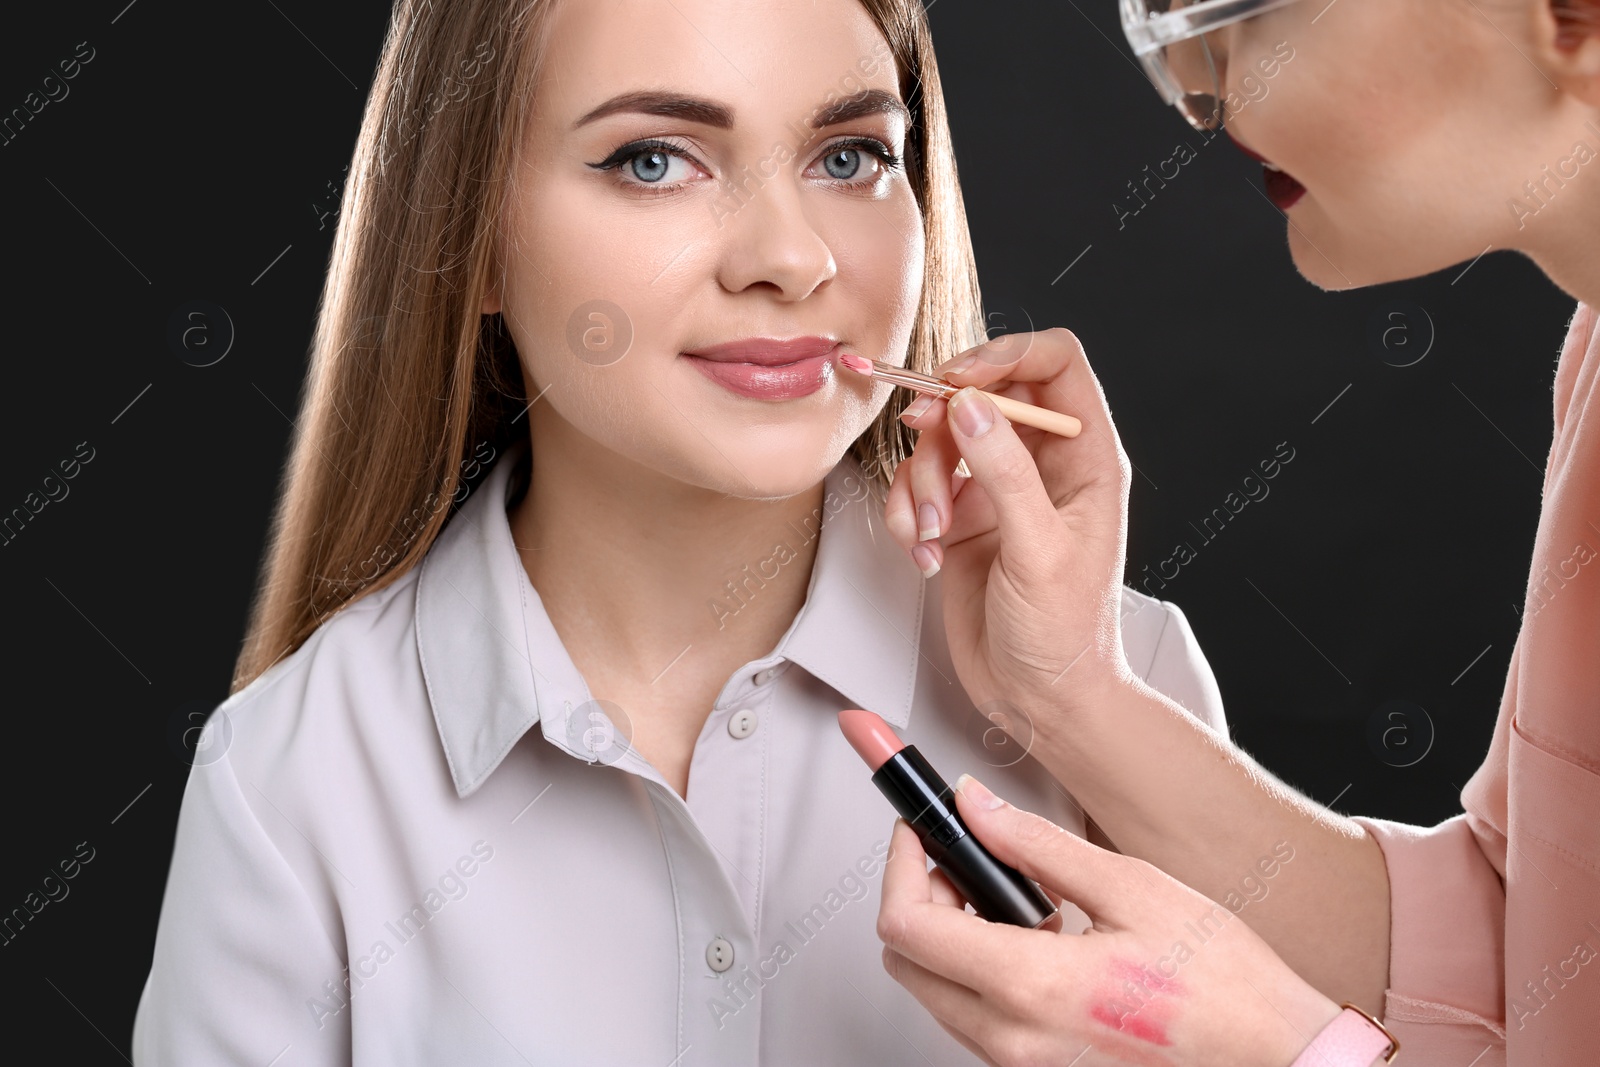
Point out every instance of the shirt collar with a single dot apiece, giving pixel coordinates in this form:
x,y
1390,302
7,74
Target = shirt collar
x,y
494,665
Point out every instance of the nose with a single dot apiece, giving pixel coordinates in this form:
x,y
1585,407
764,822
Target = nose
x,y
770,242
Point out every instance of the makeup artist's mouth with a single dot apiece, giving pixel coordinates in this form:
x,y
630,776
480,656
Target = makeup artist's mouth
x,y
765,368
1282,188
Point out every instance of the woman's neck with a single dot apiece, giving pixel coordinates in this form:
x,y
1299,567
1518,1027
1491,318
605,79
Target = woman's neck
x,y
634,568
1573,262
1561,235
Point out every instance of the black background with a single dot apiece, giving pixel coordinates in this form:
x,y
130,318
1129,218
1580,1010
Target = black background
x,y
194,159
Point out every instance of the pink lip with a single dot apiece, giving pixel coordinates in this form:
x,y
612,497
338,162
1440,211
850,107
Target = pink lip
x,y
1283,189
765,368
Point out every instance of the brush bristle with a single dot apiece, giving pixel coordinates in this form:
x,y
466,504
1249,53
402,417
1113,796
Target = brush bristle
x,y
859,364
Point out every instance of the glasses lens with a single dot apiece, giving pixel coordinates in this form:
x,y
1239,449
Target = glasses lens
x,y
1191,69
1194,69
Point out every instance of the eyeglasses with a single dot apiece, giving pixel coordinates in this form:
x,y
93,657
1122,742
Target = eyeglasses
x,y
1168,37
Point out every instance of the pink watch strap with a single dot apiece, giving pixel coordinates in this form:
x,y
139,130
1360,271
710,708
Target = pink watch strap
x,y
1352,1039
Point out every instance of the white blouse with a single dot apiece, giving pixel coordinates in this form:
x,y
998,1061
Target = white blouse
x,y
417,841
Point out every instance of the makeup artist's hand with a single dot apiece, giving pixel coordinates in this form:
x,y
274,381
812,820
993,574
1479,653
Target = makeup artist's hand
x,y
1162,976
1032,549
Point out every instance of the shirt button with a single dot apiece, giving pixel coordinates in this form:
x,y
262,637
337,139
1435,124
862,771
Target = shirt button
x,y
742,724
764,676
719,954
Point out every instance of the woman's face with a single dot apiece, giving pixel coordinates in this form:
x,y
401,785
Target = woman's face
x,y
707,186
1411,126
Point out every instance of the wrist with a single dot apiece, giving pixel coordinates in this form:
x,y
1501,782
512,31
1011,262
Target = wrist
x,y
1307,1012
1352,1038
1069,722
1269,1017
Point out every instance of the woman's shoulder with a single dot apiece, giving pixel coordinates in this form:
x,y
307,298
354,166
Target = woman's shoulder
x,y
1161,648
357,672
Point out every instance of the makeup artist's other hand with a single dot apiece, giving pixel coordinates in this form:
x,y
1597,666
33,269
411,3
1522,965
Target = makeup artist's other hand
x,y
1162,976
1033,543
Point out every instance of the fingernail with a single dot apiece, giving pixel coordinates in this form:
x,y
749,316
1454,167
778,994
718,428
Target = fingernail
x,y
978,793
973,415
918,408
927,521
927,562
958,367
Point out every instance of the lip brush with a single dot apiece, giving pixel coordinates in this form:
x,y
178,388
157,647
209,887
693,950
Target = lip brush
x,y
1015,410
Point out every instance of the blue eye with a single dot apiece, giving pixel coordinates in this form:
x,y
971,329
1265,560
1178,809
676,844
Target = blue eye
x,y
859,162
649,162
842,164
650,166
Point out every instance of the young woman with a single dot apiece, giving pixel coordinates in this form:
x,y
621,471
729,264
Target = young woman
x,y
533,754
1404,137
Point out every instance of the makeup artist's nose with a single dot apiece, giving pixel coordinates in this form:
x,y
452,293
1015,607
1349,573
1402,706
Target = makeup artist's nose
x,y
771,241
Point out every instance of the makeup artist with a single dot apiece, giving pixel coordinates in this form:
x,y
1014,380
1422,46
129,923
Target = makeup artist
x,y
1472,942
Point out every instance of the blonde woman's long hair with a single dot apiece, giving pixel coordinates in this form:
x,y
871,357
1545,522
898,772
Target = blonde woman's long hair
x,y
411,389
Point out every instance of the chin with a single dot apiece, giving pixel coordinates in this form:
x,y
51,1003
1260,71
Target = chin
x,y
768,466
1334,267
1320,273
1335,258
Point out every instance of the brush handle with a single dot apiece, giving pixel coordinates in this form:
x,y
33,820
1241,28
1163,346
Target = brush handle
x,y
1040,418
1015,410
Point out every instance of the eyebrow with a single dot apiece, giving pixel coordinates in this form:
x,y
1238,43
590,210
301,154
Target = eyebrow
x,y
710,113
673,105
866,102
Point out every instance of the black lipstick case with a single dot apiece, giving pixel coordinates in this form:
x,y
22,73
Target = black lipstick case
x,y
997,892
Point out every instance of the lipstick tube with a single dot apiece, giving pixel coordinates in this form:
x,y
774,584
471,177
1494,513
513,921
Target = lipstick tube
x,y
996,891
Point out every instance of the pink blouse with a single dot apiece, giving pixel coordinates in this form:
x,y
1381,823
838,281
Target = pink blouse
x,y
1495,927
